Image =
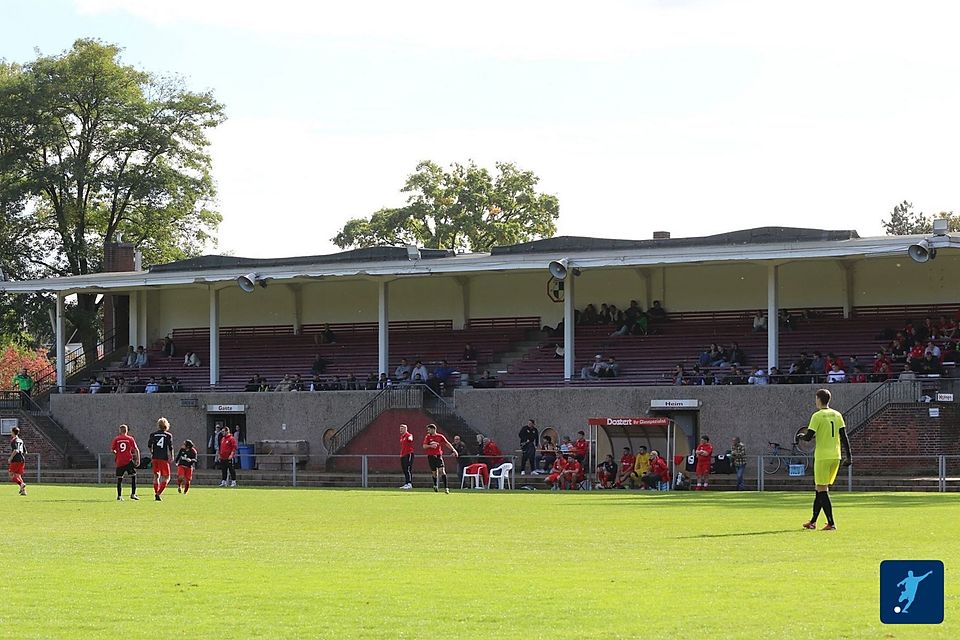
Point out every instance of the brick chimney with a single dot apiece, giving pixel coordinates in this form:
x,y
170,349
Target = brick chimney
x,y
661,235
117,256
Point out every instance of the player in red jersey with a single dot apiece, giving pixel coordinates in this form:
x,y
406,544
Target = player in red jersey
x,y
606,472
17,460
556,472
228,448
572,474
186,460
161,451
704,455
127,456
433,444
406,456
627,460
581,447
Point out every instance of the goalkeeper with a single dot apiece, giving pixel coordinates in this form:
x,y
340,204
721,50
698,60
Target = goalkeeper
x,y
827,426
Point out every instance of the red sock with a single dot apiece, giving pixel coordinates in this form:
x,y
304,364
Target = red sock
x,y
163,485
15,480
156,487
187,486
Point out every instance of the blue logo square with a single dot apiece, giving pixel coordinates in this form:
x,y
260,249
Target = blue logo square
x,y
911,592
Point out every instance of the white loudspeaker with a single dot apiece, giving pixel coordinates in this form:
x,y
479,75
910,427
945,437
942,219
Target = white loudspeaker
x,y
248,282
558,268
922,251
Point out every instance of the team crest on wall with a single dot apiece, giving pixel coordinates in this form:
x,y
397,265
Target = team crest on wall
x,y
555,289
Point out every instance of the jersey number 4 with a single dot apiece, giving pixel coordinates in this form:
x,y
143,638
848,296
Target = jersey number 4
x,y
161,439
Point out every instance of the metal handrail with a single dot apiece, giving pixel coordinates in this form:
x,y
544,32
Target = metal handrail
x,y
76,357
893,392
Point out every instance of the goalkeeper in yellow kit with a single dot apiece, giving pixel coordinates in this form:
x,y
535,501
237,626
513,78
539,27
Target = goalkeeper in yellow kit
x,y
827,426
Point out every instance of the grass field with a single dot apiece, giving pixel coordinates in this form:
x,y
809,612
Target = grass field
x,y
261,563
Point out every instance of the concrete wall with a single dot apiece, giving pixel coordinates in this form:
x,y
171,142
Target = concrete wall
x,y
93,419
757,414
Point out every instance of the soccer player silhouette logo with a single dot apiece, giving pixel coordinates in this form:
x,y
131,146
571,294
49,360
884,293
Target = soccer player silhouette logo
x,y
909,584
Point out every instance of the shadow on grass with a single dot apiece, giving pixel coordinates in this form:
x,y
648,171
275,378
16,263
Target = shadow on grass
x,y
730,500
739,535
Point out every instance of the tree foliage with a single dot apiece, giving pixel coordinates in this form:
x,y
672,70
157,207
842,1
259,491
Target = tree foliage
x,y
904,221
93,152
464,207
14,359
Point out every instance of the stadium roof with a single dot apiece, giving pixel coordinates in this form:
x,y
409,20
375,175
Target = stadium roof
x,y
764,244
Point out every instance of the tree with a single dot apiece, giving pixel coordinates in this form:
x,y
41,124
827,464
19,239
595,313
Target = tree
x,y
905,222
95,151
463,208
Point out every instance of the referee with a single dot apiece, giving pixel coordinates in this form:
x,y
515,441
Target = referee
x,y
827,426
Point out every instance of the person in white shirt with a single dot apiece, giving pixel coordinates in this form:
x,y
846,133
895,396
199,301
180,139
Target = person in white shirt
x,y
759,322
759,377
836,374
419,370
152,386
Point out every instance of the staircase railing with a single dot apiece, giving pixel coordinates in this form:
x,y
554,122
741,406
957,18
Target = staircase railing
x,y
74,360
14,400
896,392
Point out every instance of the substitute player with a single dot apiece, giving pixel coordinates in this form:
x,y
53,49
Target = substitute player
x,y
127,456
704,454
161,451
228,448
433,444
186,460
17,460
406,456
827,426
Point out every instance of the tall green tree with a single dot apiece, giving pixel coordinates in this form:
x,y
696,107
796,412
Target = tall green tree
x,y
464,207
904,221
96,151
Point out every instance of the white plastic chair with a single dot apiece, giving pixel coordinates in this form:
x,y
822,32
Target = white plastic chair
x,y
503,475
476,479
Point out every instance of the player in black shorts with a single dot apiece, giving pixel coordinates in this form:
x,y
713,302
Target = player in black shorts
x,y
127,455
433,444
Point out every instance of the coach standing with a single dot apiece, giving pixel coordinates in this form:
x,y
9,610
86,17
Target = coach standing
x,y
228,447
406,456
529,439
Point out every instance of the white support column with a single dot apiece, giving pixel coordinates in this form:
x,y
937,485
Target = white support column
x,y
847,286
569,359
134,317
297,291
142,319
61,348
647,288
383,327
462,320
214,336
773,325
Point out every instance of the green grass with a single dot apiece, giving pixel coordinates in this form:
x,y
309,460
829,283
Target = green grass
x,y
261,563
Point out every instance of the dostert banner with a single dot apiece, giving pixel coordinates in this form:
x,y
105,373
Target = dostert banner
x,y
628,422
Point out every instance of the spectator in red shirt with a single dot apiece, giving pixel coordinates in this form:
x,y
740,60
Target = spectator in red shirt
x,y
704,455
948,327
572,475
228,447
858,375
659,471
492,454
627,460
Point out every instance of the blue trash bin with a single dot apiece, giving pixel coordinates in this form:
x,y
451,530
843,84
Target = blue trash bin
x,y
246,456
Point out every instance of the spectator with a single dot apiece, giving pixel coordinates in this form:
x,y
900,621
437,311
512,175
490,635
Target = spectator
x,y
884,373
907,375
774,376
316,383
706,357
152,386
658,472
130,360
833,359
95,386
121,385
759,322
556,472
933,349
735,356
335,384
572,474
589,315
948,327
657,313
142,359
419,370
930,365
165,385
371,382
383,382
592,371
168,349
818,366
603,317
492,454
191,359
327,336
469,353
624,473
175,386
529,439
916,353
950,354
284,384
264,386
403,372
547,454
297,384
718,357
443,372
678,375
858,375
486,381
787,321
566,446
610,369
836,374
735,377
558,351
738,455
462,458
759,377
697,376
581,447
252,384
433,383
606,473
319,364
352,384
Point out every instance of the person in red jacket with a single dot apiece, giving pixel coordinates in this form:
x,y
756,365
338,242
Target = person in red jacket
x,y
704,455
556,472
581,447
627,461
228,448
406,456
573,473
492,454
659,471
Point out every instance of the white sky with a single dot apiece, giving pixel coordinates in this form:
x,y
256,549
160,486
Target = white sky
x,y
691,116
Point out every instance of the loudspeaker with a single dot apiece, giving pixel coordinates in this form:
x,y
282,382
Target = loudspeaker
x,y
248,282
922,251
558,268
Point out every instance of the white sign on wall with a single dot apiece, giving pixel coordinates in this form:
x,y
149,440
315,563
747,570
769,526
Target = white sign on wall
x,y
944,397
7,425
674,404
226,408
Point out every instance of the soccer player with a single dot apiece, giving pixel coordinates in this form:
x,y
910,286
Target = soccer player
x,y
704,454
17,460
406,456
186,460
433,444
559,465
627,460
572,474
827,426
228,447
161,451
641,466
606,472
127,456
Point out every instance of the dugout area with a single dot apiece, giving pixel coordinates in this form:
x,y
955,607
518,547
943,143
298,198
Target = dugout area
x,y
609,435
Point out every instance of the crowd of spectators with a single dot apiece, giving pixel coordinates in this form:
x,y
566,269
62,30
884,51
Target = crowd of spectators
x,y
137,384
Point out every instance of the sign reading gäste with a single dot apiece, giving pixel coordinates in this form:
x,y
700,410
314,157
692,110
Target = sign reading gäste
x,y
628,422
226,408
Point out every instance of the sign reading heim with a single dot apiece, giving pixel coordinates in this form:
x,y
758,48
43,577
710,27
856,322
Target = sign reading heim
x,y
226,408
628,422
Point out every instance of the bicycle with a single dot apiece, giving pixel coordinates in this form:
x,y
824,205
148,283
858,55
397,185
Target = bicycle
x,y
779,456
